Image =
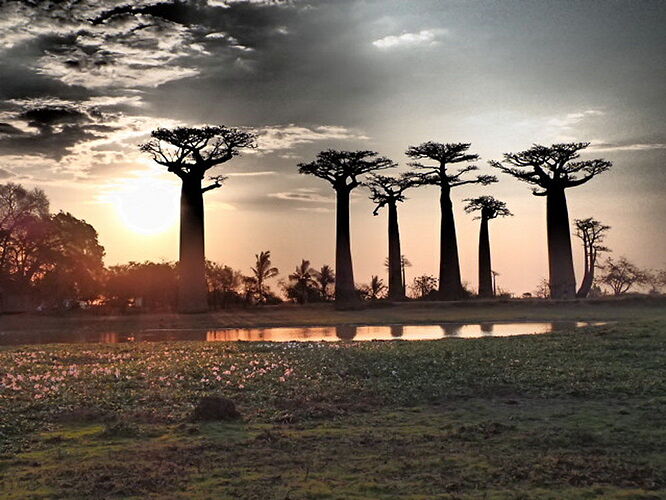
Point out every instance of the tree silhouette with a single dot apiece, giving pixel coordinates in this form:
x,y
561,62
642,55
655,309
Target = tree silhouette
x,y
423,286
490,208
592,233
622,275
342,170
324,277
189,153
553,169
374,290
388,191
262,271
450,285
303,278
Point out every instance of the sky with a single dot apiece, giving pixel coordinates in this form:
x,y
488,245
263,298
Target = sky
x,y
83,82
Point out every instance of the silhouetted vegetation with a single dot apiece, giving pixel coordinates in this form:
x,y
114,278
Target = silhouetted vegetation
x,y
444,155
490,208
54,260
387,191
592,233
343,170
190,153
621,275
552,170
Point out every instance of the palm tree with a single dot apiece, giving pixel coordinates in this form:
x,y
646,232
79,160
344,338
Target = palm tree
x,y
342,170
375,290
303,277
490,208
325,277
263,271
443,155
388,191
553,169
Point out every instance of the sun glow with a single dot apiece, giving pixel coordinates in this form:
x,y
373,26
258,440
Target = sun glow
x,y
144,203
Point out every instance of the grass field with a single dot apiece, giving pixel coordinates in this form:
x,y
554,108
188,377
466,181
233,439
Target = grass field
x,y
577,414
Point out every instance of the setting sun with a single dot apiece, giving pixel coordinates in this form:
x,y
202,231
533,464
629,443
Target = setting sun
x,y
144,204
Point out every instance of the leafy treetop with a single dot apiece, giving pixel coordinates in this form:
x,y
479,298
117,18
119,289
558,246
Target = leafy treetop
x,y
552,166
386,190
189,152
489,207
443,155
342,168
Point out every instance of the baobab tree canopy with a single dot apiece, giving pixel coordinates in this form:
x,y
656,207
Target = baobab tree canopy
x,y
551,167
445,154
489,207
190,152
387,190
343,168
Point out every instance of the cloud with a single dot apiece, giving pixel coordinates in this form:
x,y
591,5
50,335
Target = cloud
x,y
5,174
569,120
428,37
607,147
250,174
288,136
307,195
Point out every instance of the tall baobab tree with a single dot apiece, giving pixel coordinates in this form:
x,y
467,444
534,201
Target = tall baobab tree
x,y
490,208
592,233
342,170
387,191
444,155
189,153
553,170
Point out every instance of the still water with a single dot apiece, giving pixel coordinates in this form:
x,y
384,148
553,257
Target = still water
x,y
290,334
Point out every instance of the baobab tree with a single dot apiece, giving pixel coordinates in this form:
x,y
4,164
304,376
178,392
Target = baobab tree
x,y
343,169
592,233
444,155
490,208
387,192
189,153
552,170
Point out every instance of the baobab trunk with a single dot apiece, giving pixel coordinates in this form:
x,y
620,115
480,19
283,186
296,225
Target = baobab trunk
x,y
345,291
485,274
560,260
396,285
450,287
192,289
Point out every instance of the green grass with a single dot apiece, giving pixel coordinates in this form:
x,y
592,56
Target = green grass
x,y
576,414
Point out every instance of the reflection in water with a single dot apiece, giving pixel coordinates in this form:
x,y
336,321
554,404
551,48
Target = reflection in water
x,y
560,326
452,329
328,333
397,331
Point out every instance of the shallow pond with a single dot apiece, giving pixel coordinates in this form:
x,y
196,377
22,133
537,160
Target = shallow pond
x,y
291,334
